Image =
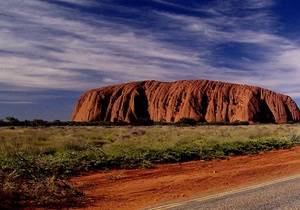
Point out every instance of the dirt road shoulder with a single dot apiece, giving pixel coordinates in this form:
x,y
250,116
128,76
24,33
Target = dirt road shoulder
x,y
140,188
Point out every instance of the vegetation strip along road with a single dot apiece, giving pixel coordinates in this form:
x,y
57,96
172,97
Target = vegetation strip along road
x,y
41,159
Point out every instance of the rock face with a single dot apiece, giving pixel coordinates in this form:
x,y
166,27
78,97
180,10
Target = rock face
x,y
202,100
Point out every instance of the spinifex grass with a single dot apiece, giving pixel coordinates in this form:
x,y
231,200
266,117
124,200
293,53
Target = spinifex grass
x,y
84,148
45,157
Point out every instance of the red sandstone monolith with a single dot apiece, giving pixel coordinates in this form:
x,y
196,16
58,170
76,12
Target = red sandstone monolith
x,y
202,100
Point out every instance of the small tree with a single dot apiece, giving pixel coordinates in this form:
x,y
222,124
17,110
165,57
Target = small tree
x,y
2,123
12,121
38,122
56,122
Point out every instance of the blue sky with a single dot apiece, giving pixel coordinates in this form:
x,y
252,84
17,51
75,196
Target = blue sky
x,y
51,51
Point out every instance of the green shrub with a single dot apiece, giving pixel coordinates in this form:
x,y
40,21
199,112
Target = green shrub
x,y
295,138
24,181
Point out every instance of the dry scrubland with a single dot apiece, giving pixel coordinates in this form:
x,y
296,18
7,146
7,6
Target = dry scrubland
x,y
36,163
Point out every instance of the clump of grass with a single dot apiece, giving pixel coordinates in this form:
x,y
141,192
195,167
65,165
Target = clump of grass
x,y
30,184
295,138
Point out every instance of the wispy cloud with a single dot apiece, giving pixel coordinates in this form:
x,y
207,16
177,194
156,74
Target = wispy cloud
x,y
50,45
272,60
15,102
79,2
43,44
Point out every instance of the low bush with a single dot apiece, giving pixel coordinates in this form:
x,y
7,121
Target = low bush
x,y
25,182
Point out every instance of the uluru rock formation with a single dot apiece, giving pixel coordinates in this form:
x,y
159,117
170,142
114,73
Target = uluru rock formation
x,y
202,100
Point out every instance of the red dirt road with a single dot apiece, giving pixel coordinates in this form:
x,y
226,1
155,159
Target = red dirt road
x,y
140,188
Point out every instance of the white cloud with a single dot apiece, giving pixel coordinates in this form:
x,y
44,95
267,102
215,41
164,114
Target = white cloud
x,y
16,102
43,45
78,2
51,42
275,63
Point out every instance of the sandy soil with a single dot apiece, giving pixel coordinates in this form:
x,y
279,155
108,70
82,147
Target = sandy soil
x,y
140,188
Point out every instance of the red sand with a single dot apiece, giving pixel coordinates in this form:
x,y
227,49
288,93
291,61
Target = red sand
x,y
140,188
